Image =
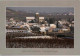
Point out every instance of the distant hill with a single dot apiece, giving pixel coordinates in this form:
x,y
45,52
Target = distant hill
x,y
21,15
17,15
44,9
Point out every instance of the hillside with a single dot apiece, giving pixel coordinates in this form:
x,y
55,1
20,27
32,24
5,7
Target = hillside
x,y
17,15
21,15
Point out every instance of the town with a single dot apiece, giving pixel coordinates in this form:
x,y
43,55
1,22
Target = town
x,y
41,29
40,24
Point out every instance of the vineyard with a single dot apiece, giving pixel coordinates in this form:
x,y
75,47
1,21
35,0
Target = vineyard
x,y
13,42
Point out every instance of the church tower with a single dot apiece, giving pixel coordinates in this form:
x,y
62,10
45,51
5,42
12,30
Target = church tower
x,y
37,17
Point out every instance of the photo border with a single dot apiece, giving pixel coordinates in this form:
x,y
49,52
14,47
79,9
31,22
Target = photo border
x,y
39,51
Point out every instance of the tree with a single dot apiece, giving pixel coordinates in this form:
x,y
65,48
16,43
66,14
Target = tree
x,y
32,21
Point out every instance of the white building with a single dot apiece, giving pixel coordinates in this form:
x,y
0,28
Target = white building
x,y
28,19
41,19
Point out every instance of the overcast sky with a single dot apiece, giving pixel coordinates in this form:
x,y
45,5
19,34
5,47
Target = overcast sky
x,y
44,9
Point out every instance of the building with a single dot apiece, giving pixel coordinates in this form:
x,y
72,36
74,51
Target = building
x,y
28,19
36,19
41,19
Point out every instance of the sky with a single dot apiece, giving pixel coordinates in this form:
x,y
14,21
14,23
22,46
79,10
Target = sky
x,y
44,9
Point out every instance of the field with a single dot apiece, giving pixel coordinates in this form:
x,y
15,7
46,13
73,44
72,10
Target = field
x,y
12,42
